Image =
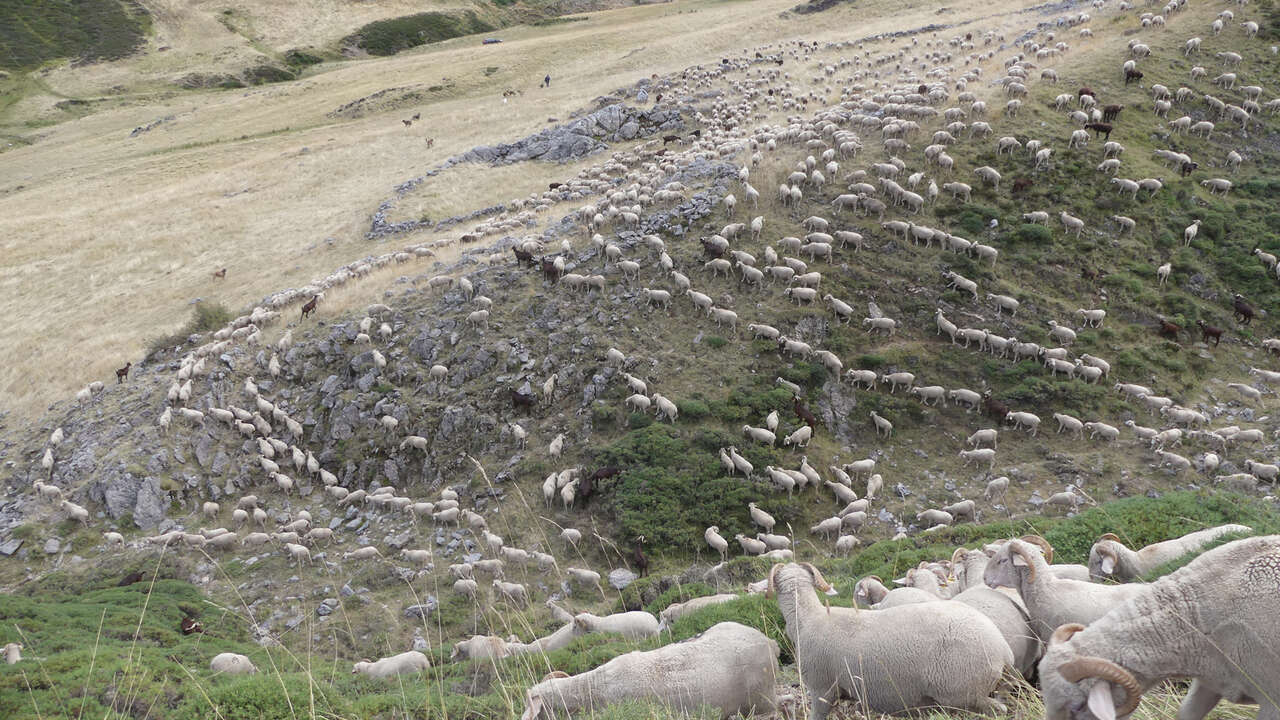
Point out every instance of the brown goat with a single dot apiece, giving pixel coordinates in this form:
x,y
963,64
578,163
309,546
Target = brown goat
x,y
123,373
1132,75
1102,130
310,307
993,407
221,274
1111,112
1243,311
803,413
1168,329
1209,331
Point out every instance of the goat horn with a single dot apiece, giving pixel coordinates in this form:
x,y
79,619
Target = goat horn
x,y
1028,556
956,557
1042,544
818,581
555,674
1095,667
1110,536
1064,633
769,592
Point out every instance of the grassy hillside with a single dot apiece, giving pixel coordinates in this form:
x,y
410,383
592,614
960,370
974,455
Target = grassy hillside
x,y
671,483
93,649
32,33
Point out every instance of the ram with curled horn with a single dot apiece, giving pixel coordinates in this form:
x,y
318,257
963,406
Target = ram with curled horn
x,y
1212,621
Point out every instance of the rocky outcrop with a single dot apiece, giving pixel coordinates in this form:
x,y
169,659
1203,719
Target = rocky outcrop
x,y
579,138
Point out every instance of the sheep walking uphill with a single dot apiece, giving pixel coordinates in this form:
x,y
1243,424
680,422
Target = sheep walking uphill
x,y
888,661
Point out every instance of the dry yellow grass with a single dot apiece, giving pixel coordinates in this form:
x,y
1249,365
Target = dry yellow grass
x,y
106,240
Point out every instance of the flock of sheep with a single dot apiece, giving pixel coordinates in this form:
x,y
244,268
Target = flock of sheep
x,y
951,633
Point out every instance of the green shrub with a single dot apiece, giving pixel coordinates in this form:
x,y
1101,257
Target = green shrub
x,y
755,611
301,58
388,37
88,30
263,74
692,410
206,317
1033,234
636,421
602,414
715,341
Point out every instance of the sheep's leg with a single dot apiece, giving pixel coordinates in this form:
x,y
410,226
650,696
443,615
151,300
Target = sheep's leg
x,y
1198,702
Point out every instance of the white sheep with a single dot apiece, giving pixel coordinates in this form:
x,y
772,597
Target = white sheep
x,y
1212,621
405,663
232,664
13,653
832,645
634,625
1050,600
729,667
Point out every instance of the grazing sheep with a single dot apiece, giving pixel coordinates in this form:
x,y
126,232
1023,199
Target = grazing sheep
x,y
1212,621
634,625
716,541
729,667
833,647
1050,600
406,663
478,647
232,664
1110,559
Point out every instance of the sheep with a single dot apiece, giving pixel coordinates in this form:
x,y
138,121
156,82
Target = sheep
x,y
1211,621
997,487
406,663
936,393
717,543
1024,419
898,378
515,593
887,325
730,667
1071,223
1110,559
987,455
75,512
934,518
477,647
1004,302
13,653
751,546
634,625
982,437
1100,429
760,517
760,435
882,425
232,664
1050,600
832,647
675,611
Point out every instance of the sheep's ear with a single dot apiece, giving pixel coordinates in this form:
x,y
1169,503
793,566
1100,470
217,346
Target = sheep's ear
x,y
1108,564
1100,702
1019,560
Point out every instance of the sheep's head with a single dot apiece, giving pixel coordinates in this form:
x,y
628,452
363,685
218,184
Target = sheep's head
x,y
1008,563
815,576
1083,687
1104,557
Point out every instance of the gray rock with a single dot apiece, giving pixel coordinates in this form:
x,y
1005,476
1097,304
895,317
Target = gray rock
x,y
621,578
422,610
327,606
52,546
346,591
10,547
